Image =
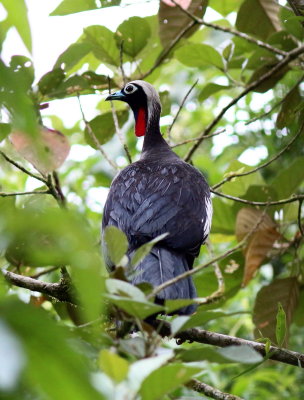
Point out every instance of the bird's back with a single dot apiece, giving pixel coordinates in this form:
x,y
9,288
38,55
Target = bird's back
x,y
152,197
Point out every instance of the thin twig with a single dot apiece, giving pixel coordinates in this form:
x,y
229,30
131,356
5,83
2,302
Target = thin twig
x,y
198,138
3,194
260,203
58,189
121,62
220,279
193,271
260,116
216,339
26,171
44,272
166,52
242,35
299,217
296,8
210,391
180,108
118,130
170,282
95,140
289,57
234,175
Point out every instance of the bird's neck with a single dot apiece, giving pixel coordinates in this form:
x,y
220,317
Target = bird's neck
x,y
155,146
147,124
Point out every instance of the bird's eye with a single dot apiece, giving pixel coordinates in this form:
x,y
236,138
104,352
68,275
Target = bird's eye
x,y
130,89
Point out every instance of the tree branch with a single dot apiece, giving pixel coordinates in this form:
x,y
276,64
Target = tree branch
x,y
95,140
234,175
60,291
3,194
295,8
21,168
55,191
166,52
231,31
180,108
217,339
260,203
289,57
198,138
210,391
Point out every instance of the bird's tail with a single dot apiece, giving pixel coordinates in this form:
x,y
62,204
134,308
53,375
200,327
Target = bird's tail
x,y
161,265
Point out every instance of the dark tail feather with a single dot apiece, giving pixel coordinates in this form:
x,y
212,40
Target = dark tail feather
x,y
161,265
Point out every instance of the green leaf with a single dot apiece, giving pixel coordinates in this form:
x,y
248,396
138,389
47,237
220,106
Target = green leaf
x,y
165,379
281,325
173,305
178,324
259,17
134,34
223,219
199,319
270,82
24,71
288,110
225,7
289,178
145,249
113,365
202,353
71,87
136,308
116,243
122,288
16,99
5,130
103,127
74,6
51,80
17,16
50,242
72,55
242,354
165,102
239,186
49,355
210,89
292,23
198,55
102,44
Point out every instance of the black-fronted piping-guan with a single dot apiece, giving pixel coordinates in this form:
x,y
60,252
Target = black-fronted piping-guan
x,y
159,193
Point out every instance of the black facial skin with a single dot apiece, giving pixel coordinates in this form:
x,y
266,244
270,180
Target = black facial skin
x,y
136,100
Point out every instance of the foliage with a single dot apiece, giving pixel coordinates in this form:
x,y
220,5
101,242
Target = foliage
x,y
245,116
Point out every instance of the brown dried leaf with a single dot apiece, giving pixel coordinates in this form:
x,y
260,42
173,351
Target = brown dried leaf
x,y
172,20
46,153
261,240
285,291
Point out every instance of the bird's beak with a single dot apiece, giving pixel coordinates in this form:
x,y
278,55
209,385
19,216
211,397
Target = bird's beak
x,y
117,96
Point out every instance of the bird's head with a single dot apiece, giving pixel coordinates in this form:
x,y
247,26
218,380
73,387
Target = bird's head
x,y
145,103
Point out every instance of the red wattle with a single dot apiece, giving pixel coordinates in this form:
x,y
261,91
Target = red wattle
x,y
140,125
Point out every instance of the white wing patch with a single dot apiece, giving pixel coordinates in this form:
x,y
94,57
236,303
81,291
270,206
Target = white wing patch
x,y
207,220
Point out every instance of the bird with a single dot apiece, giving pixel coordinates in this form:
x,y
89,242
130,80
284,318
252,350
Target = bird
x,y
160,193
